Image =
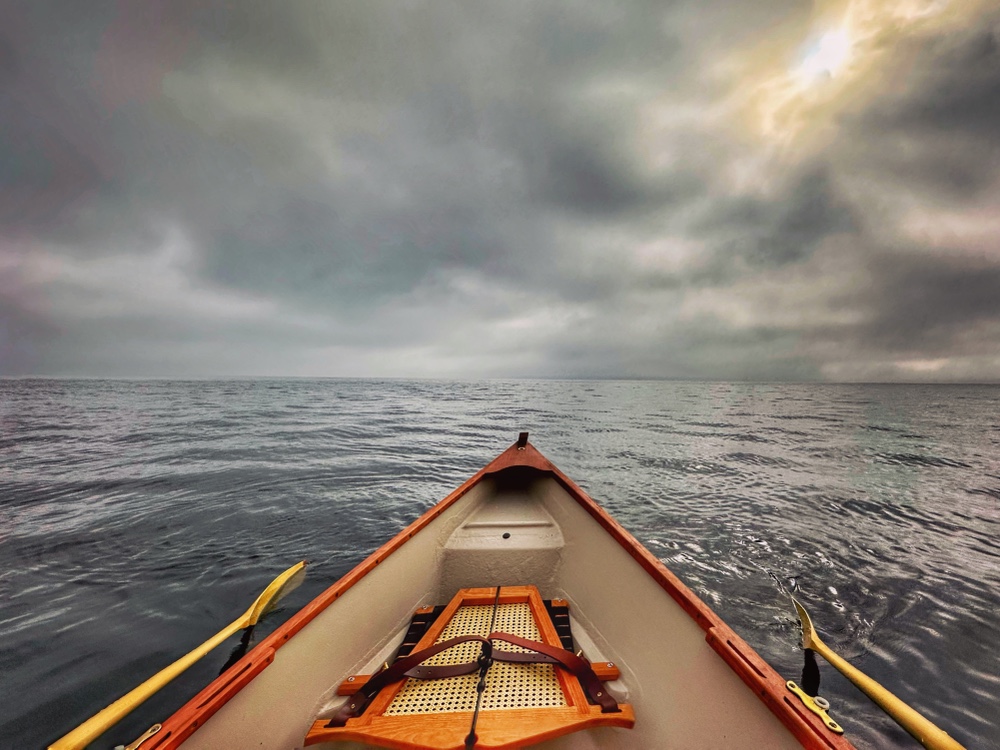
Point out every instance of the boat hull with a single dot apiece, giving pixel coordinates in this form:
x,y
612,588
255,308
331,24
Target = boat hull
x,y
692,681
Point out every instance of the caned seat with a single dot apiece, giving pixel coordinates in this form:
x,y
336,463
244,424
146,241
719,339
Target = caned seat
x,y
522,704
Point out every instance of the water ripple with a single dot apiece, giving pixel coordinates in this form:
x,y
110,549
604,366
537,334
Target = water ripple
x,y
138,517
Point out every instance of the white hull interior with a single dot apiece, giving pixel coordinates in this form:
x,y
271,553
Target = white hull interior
x,y
683,693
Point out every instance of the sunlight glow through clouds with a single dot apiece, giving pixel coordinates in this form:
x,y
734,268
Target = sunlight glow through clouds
x,y
837,64
825,57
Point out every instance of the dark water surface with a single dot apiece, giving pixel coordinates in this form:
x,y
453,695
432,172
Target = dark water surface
x,y
138,518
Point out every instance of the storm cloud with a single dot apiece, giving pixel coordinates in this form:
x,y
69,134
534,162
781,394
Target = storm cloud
x,y
500,189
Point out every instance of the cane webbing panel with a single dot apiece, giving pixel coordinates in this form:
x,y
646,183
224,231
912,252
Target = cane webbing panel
x,y
523,703
507,685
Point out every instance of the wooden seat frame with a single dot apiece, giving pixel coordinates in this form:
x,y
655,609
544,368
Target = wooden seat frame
x,y
497,729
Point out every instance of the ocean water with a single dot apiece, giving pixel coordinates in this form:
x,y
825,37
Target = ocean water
x,y
139,517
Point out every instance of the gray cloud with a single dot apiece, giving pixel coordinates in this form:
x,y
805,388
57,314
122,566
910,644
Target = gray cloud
x,y
956,88
922,305
478,189
937,123
754,231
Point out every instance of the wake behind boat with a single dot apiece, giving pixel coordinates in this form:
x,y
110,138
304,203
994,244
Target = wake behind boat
x,y
514,612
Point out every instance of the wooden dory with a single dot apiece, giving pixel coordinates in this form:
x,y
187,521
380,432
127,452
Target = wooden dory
x,y
678,676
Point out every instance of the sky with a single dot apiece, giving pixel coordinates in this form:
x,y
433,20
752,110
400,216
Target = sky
x,y
698,189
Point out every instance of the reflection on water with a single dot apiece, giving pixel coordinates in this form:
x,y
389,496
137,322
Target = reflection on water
x,y
136,518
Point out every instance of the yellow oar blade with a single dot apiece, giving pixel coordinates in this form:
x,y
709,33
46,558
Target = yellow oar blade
x,y
808,631
101,722
923,730
279,588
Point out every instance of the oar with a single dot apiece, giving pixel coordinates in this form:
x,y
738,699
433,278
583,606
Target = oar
x,y
98,724
924,731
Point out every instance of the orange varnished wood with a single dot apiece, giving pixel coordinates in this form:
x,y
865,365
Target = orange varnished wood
x,y
570,685
353,684
606,671
496,729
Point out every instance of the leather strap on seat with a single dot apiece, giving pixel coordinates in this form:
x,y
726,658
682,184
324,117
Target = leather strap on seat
x,y
410,666
580,668
357,703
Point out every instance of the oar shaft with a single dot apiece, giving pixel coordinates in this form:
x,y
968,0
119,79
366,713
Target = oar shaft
x,y
924,731
101,722
107,718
